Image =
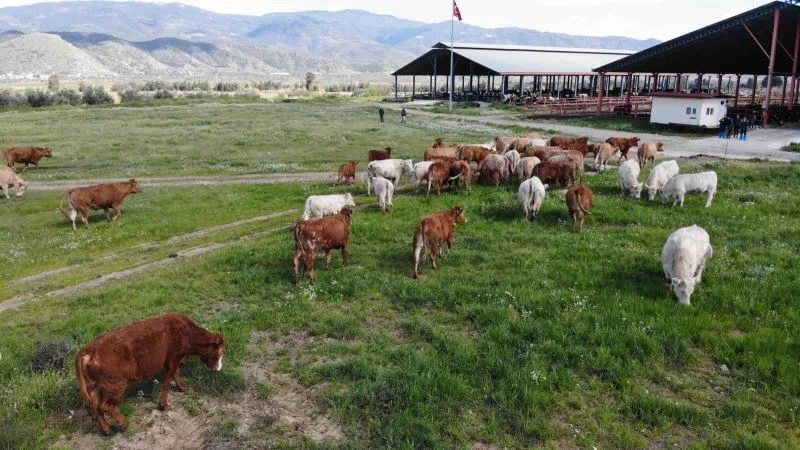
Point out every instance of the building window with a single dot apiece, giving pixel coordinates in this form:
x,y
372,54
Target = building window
x,y
694,111
709,111
688,110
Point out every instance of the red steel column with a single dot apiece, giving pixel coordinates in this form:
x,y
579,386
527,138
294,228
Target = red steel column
x,y
601,85
768,96
628,82
794,65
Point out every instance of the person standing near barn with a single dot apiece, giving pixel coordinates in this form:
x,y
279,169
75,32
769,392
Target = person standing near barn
x,y
736,127
381,112
743,129
403,115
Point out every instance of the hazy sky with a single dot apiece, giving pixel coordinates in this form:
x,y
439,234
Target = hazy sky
x,y
661,19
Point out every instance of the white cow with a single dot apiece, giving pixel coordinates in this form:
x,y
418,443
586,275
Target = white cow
x,y
683,258
538,143
531,193
327,205
391,169
693,183
9,178
659,177
513,158
418,173
629,179
384,189
525,167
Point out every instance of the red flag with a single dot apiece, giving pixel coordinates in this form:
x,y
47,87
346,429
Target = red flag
x,y
456,11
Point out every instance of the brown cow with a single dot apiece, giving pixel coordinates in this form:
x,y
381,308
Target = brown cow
x,y
432,232
27,155
437,174
624,144
565,141
137,351
447,152
327,233
582,147
501,144
100,196
540,152
378,155
580,199
553,173
438,143
460,173
493,170
346,171
470,153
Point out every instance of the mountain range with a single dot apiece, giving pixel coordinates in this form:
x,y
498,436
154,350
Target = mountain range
x,y
79,39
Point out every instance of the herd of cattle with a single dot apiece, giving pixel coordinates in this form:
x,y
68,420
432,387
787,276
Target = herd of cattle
x,y
106,367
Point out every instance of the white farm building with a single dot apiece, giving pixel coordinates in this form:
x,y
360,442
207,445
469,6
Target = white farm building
x,y
699,110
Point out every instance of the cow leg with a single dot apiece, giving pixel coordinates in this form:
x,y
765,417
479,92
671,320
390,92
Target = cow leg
x,y
4,187
419,247
172,366
328,254
429,188
26,166
85,216
296,261
345,255
117,212
179,383
708,200
311,263
108,217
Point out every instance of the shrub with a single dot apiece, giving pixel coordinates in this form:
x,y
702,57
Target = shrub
x,y
310,77
96,95
67,97
226,87
12,98
130,94
38,98
50,355
163,94
53,82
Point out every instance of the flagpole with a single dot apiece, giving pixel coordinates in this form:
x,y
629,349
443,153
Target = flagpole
x,y
450,81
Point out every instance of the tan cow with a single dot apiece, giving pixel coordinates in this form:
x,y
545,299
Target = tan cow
x,y
443,152
580,199
647,152
100,196
9,178
347,171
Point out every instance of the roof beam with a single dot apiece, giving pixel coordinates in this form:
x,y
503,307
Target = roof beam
x,y
756,40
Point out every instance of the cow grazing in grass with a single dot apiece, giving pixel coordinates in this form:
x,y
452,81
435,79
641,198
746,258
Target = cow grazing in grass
x,y
525,167
565,141
659,176
432,232
437,174
384,190
137,351
580,199
443,152
694,183
493,170
347,171
100,196
629,179
623,144
378,155
683,259
419,172
326,234
325,205
391,169
580,146
26,155
602,154
438,143
10,179
472,153
501,144
553,173
647,152
541,152
531,193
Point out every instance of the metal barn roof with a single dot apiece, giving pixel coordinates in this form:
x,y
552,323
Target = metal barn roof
x,y
480,59
726,47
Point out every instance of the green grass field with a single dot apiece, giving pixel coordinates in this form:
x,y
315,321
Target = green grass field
x,y
530,334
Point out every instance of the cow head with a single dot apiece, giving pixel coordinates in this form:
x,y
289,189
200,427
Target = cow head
x,y
388,150
660,146
636,190
683,289
354,163
348,213
438,143
408,166
634,141
134,186
348,200
211,351
458,214
651,193
45,151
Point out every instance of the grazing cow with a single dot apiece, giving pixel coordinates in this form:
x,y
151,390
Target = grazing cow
x,y
438,143
565,141
693,183
624,144
432,232
541,152
629,179
602,155
326,205
554,173
384,190
391,169
460,173
572,166
579,146
346,171
379,155
9,178
137,351
328,234
437,174
513,158
647,152
580,199
493,170
525,167
573,158
538,142
531,193
520,145
446,152
659,177
683,259
100,196
27,155
470,153
418,173
501,144
534,135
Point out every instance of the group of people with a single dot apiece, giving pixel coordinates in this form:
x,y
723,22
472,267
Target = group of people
x,y
403,115
735,128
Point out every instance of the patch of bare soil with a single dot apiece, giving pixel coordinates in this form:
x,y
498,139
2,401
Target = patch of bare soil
x,y
702,158
265,178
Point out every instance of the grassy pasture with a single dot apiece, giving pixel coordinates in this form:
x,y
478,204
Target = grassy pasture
x,y
530,335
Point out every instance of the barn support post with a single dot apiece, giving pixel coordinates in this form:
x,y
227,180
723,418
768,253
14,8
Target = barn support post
x,y
629,86
768,95
413,86
755,86
736,91
395,88
783,94
655,82
699,84
719,83
521,90
792,97
435,76
600,84
677,82
728,87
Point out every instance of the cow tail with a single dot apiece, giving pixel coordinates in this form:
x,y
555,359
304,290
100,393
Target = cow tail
x,y
298,238
61,206
81,361
580,204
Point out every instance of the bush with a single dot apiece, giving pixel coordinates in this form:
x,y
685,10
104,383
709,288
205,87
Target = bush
x,y
12,98
226,87
67,97
130,94
163,94
53,82
38,98
96,95
50,355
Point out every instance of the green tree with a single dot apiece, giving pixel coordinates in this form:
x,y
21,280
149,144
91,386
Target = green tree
x,y
53,82
310,77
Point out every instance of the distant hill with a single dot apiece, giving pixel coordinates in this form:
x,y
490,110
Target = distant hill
x,y
135,39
